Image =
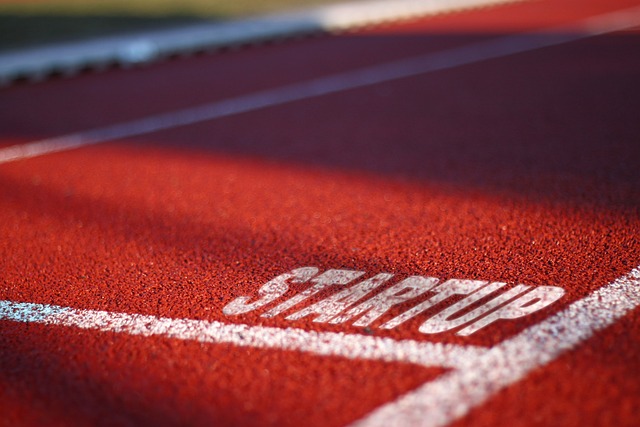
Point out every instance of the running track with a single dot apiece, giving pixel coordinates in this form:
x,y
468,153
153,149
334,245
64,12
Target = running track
x,y
445,147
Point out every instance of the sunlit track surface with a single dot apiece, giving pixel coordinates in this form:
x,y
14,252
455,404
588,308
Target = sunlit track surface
x,y
431,223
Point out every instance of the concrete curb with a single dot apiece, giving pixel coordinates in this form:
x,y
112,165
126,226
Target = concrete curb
x,y
36,64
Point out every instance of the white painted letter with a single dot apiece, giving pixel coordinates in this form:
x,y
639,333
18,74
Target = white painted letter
x,y
329,307
328,278
270,291
405,290
528,303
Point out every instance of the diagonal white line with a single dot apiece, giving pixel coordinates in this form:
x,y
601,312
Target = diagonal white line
x,y
363,77
351,346
454,394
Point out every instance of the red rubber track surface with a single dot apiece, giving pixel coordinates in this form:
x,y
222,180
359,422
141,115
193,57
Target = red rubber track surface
x,y
521,169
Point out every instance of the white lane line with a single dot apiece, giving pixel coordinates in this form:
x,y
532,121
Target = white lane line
x,y
363,77
350,346
454,394
477,373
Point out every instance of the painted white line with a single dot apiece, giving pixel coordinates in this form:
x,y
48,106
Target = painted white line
x,y
477,373
350,346
363,77
148,46
454,394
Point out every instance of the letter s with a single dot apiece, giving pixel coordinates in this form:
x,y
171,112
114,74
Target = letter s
x,y
270,291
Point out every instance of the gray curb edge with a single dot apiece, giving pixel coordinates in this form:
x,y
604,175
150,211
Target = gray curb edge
x,y
38,63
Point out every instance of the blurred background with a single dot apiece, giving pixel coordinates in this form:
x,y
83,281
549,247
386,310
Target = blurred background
x,y
37,22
